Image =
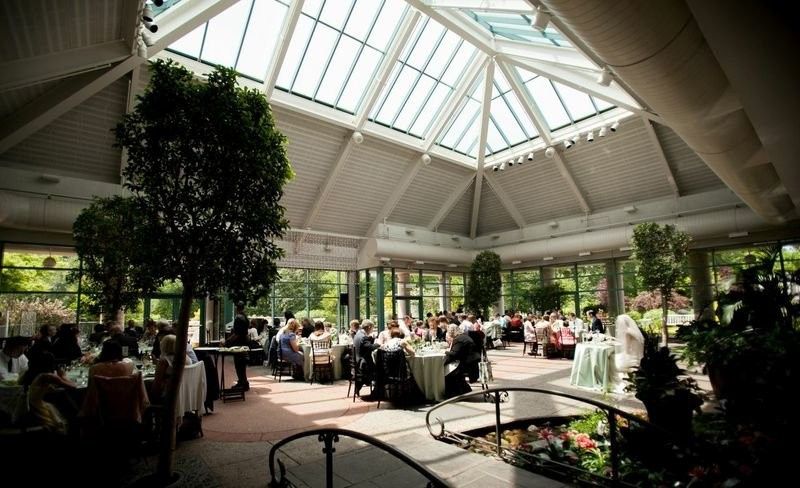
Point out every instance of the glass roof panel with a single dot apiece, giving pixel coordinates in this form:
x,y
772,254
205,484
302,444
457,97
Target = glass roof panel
x,y
317,55
191,43
311,7
261,38
217,47
494,138
361,19
602,105
387,23
546,98
578,104
432,107
361,76
340,66
294,54
507,122
335,13
415,100
516,27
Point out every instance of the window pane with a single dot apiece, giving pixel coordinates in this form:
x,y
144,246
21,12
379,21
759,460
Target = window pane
x,y
494,139
322,43
294,55
361,19
224,35
190,43
430,110
261,38
417,98
443,53
362,75
460,123
459,64
545,97
36,280
335,13
427,41
339,66
578,103
506,122
397,96
388,21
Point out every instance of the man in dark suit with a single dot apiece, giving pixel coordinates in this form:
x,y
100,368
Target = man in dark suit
x,y
597,324
239,337
462,350
363,345
124,340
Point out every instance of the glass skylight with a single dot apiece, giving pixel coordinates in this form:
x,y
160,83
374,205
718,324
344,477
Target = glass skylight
x,y
516,27
423,78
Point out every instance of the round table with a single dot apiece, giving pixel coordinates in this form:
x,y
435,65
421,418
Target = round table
x,y
593,366
336,354
428,369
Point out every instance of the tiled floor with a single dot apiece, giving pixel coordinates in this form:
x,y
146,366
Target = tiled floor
x,y
239,435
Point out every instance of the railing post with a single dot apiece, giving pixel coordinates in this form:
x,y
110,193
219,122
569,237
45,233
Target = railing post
x,y
497,419
328,438
612,433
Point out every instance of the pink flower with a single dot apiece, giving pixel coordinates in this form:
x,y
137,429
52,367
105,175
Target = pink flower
x,y
546,433
584,441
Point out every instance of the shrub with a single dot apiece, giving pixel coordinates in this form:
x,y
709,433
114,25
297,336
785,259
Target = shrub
x,y
647,300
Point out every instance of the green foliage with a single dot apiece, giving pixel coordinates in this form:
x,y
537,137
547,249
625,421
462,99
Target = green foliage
x,y
547,297
108,241
660,252
484,284
587,424
636,316
207,165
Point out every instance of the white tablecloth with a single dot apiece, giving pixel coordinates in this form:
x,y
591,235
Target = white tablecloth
x,y
429,374
336,354
593,366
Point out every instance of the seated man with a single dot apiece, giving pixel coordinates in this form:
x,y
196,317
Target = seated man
x,y
363,345
462,354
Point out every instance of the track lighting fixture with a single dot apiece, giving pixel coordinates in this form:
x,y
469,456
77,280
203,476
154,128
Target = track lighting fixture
x,y
614,126
567,144
510,163
605,78
520,160
590,136
502,166
158,3
540,19
495,168
550,152
530,156
574,139
358,137
602,131
426,159
147,14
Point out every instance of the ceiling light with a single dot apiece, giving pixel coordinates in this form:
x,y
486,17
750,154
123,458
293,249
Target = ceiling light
x,y
502,166
736,234
385,259
614,126
553,224
540,19
147,14
605,77
426,159
520,160
510,163
602,132
590,136
530,156
630,208
48,178
548,258
420,262
585,253
626,248
49,262
495,168
517,261
452,265
550,152
150,26
567,144
158,3
358,137
574,139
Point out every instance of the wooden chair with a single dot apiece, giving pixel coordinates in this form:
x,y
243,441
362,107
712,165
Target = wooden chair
x,y
534,347
357,379
567,341
280,366
393,376
321,362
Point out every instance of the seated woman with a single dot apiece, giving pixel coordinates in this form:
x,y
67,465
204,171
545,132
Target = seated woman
x,y
110,363
290,350
66,347
164,368
319,333
41,380
386,334
396,342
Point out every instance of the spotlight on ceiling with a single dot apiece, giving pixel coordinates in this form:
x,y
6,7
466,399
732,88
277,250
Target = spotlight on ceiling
x,y
590,136
548,258
358,137
520,160
553,224
574,139
502,166
540,19
605,77
734,235
495,168
630,208
150,26
584,253
147,14
602,132
567,144
516,261
530,156
385,259
615,126
510,163
426,159
158,3
550,152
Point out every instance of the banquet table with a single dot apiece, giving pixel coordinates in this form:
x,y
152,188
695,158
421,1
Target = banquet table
x,y
428,370
224,393
337,350
593,366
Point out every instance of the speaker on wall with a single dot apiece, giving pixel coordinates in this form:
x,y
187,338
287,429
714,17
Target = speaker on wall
x,y
344,298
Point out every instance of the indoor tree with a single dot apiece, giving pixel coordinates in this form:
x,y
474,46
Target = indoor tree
x,y
660,251
484,284
207,165
107,241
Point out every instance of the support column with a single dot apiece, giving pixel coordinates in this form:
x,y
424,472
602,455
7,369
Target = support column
x,y
444,292
352,295
379,298
548,275
613,304
402,305
702,283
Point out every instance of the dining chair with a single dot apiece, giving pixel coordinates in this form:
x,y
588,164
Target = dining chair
x,y
321,362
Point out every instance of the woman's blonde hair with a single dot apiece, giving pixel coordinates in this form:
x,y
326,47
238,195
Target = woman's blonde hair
x,y
168,345
292,325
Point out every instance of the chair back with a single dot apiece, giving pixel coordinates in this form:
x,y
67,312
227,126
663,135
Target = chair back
x,y
479,338
192,392
115,399
542,337
321,350
391,366
566,336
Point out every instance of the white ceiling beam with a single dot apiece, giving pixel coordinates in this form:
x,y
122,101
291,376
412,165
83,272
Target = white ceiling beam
x,y
455,101
542,52
447,206
59,100
582,80
651,135
341,159
570,180
466,29
530,107
486,109
284,39
61,64
376,88
501,6
504,200
182,19
396,193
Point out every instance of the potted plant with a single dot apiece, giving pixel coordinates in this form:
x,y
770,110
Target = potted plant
x,y
484,284
668,394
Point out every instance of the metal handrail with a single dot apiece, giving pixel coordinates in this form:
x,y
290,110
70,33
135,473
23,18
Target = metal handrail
x,y
331,436
499,395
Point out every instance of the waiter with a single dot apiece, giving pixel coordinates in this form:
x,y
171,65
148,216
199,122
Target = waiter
x,y
239,338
